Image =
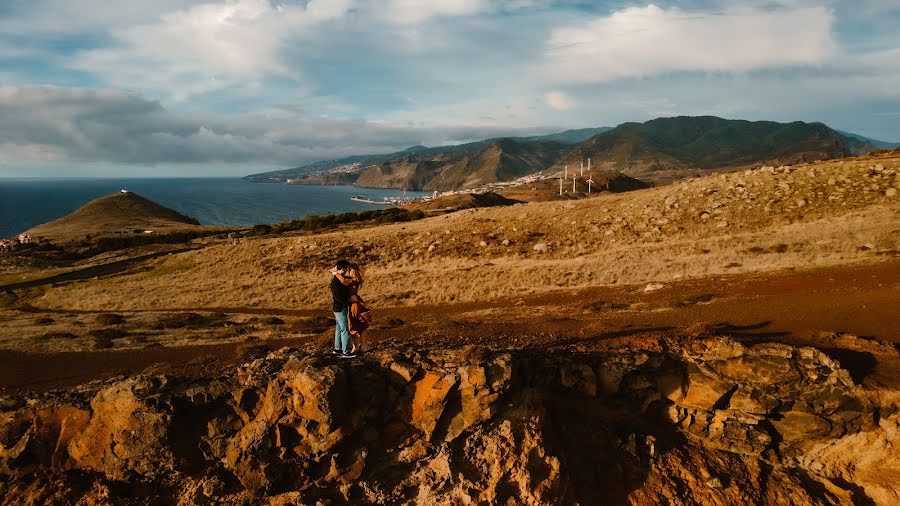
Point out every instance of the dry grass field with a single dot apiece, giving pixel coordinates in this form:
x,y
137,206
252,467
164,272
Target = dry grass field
x,y
815,215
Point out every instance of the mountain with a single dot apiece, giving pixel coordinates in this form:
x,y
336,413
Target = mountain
x,y
661,149
877,143
122,212
498,160
673,147
570,136
353,163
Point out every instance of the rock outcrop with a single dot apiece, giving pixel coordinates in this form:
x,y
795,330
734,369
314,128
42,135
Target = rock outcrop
x,y
698,421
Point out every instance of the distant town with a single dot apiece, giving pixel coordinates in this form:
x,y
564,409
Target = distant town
x,y
21,241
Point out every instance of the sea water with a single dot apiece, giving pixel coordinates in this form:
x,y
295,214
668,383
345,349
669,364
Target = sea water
x,y
25,203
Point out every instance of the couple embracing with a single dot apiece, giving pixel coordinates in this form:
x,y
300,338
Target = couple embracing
x,y
351,316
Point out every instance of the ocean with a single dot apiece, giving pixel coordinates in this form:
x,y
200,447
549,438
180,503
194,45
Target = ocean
x,y
25,203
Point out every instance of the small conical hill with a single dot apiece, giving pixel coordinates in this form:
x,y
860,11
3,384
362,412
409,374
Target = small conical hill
x,y
123,212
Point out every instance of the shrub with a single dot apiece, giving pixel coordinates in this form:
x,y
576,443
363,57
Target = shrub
x,y
190,320
136,339
323,221
108,333
105,244
100,343
59,335
110,319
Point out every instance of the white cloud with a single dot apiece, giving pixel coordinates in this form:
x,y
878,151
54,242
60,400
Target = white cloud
x,y
559,101
207,47
11,153
408,65
644,41
80,16
40,123
416,11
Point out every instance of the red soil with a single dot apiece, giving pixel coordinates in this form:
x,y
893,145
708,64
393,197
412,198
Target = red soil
x,y
795,307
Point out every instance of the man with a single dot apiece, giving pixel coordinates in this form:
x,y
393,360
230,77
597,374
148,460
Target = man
x,y
340,294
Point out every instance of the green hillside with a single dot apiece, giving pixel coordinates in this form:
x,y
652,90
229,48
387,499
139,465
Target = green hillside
x,y
707,142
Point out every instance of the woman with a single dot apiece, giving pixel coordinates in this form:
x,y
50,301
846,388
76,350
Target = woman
x,y
359,315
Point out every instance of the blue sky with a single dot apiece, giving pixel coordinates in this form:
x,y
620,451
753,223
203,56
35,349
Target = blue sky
x,y
93,88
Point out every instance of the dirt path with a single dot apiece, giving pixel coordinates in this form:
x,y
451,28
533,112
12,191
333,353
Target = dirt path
x,y
794,307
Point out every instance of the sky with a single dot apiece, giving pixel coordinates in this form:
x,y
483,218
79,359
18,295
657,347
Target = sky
x,y
91,88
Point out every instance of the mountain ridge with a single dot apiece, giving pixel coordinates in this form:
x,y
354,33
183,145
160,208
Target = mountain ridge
x,y
660,149
665,147
880,144
572,136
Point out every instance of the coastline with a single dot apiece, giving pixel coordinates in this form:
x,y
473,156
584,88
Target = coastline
x,y
27,203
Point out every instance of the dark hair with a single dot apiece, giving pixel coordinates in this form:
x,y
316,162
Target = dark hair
x,y
341,265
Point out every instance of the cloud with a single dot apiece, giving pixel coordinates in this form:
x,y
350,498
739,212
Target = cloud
x,y
416,11
646,41
559,101
231,45
241,43
249,81
40,123
59,17
207,47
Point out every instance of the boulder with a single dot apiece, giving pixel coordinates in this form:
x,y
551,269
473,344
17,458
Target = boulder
x,y
128,431
429,396
704,390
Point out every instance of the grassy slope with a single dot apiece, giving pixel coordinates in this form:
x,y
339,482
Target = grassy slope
x,y
112,212
822,214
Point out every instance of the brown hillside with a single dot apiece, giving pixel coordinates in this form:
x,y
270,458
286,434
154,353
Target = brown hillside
x,y
111,214
817,215
456,202
693,343
548,189
501,160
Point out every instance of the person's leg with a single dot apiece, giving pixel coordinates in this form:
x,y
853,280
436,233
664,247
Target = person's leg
x,y
340,322
341,334
345,337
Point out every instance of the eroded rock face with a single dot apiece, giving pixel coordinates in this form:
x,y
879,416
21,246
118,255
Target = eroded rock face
x,y
128,431
706,421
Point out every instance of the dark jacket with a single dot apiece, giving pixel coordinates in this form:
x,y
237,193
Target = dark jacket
x,y
340,294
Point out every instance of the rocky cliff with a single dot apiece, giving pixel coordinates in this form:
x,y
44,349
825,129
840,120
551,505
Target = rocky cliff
x,y
701,420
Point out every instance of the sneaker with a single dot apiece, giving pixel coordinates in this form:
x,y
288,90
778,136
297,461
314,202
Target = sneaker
x,y
347,355
336,351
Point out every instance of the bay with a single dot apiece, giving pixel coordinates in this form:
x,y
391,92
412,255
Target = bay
x,y
25,203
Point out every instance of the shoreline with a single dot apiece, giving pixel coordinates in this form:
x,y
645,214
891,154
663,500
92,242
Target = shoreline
x,y
218,202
